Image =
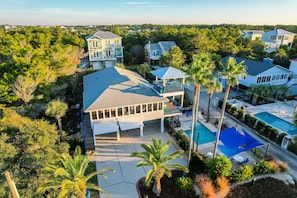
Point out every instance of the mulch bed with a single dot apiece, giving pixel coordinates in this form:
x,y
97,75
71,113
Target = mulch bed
x,y
169,188
264,188
260,188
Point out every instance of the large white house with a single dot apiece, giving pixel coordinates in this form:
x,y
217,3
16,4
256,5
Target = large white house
x,y
276,38
153,51
265,73
118,99
252,34
105,49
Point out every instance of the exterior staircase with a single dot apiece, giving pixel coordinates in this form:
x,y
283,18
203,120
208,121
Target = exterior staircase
x,y
87,132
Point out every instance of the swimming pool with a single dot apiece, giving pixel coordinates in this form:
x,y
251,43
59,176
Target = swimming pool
x,y
277,123
205,135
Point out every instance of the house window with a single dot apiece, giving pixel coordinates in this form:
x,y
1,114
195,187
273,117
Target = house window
x,y
112,113
143,108
94,115
160,105
155,106
107,42
107,115
149,107
116,41
100,113
279,37
273,77
108,53
120,111
268,78
138,109
126,111
259,80
273,38
286,38
132,110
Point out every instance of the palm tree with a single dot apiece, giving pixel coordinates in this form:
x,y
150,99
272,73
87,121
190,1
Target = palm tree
x,y
68,177
57,109
143,69
231,72
155,156
211,85
198,72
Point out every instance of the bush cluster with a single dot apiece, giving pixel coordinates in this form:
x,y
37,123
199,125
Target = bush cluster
x,y
243,173
181,139
184,183
198,163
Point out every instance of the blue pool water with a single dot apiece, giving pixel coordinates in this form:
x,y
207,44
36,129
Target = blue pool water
x,y
277,123
205,135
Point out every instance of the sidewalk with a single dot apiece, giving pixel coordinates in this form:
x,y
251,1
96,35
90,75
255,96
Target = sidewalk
x,y
116,155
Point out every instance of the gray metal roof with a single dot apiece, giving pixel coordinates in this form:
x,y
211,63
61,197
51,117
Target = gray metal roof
x,y
115,87
103,35
168,73
166,45
253,67
279,32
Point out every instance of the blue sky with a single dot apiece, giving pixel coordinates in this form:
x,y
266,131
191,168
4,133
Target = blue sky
x,y
101,12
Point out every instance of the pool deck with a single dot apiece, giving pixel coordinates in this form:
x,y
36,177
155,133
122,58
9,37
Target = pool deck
x,y
283,110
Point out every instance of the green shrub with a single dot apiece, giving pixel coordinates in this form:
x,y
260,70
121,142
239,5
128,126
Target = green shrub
x,y
250,120
243,173
183,142
267,130
263,167
198,163
219,166
240,114
184,183
273,134
253,121
260,126
228,107
233,111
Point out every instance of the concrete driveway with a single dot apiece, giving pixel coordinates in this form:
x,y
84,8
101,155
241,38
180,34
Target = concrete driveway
x,y
116,155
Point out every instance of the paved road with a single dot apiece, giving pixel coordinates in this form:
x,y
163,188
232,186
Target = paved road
x,y
274,149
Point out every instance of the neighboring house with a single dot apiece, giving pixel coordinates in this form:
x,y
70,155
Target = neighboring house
x,y
153,51
252,34
263,73
105,49
118,99
276,38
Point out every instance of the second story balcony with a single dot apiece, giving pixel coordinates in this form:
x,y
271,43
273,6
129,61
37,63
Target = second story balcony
x,y
168,87
172,108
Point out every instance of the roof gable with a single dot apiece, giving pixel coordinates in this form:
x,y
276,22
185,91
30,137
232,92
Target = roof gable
x,y
168,73
253,67
103,35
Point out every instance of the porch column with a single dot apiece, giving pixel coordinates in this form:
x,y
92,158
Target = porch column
x,y
141,131
182,100
162,125
118,134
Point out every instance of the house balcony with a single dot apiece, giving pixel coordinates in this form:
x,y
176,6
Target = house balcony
x,y
171,86
171,108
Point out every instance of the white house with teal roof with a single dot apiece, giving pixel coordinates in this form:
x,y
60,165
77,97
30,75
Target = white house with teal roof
x,y
153,51
118,99
105,49
276,38
264,73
